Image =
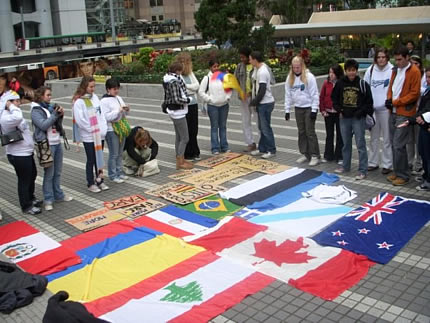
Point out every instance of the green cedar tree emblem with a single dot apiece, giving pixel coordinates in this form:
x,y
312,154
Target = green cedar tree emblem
x,y
190,293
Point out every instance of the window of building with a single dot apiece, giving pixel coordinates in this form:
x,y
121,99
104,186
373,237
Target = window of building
x,y
154,18
155,3
160,17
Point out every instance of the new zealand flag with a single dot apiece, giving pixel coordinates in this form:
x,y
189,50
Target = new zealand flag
x,y
379,228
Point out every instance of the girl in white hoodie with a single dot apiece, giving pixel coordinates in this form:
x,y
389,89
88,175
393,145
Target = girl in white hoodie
x,y
114,109
378,76
20,153
212,92
301,92
92,127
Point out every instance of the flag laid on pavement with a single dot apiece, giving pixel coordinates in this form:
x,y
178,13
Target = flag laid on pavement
x,y
194,290
213,207
304,217
119,262
296,260
176,221
34,251
378,228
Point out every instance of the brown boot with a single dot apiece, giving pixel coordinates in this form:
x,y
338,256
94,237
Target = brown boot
x,y
181,163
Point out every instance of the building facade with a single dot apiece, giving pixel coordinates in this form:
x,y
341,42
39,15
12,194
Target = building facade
x,y
159,10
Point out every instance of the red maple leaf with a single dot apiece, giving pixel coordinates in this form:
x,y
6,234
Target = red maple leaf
x,y
286,252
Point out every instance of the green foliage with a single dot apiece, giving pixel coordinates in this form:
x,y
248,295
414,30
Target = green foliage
x,y
223,20
324,56
162,62
144,55
261,38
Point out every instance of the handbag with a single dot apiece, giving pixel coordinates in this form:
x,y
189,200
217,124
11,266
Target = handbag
x,y
10,137
44,154
121,128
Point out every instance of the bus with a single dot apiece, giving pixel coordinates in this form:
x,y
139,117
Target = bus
x,y
60,40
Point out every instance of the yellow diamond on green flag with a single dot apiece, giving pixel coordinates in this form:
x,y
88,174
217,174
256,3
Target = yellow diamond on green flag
x,y
212,207
207,205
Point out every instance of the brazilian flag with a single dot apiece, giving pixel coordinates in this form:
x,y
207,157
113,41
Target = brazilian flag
x,y
212,207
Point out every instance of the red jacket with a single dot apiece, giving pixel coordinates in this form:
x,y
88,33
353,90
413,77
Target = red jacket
x,y
325,96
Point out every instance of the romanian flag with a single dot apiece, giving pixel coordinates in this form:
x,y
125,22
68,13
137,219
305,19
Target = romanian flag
x,y
229,82
134,274
33,251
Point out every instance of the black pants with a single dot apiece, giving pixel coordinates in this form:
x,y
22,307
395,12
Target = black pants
x,y
91,165
26,170
424,150
330,153
192,150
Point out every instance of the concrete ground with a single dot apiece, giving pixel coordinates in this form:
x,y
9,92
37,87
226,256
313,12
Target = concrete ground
x,y
396,292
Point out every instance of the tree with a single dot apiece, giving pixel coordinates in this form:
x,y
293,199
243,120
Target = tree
x,y
222,20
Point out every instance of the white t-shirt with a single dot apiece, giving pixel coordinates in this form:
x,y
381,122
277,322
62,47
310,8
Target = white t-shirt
x,y
262,75
52,134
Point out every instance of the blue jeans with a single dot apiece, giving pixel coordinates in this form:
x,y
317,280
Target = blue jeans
x,y
267,139
115,155
52,177
218,119
348,128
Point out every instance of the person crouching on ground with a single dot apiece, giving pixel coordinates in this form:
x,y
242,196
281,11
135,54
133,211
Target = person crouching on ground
x,y
92,128
352,98
176,102
114,109
139,150
47,123
20,153
301,92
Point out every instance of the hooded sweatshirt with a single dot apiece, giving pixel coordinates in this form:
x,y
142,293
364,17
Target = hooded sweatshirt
x,y
302,95
379,79
11,119
82,119
215,94
110,106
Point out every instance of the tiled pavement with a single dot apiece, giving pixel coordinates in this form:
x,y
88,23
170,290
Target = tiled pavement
x,y
396,292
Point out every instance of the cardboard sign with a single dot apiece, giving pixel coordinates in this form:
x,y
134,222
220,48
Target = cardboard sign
x,y
158,190
218,159
184,174
254,164
190,193
95,219
142,208
124,202
217,175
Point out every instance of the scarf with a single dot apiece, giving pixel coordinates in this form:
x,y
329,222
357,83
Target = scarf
x,y
95,130
75,129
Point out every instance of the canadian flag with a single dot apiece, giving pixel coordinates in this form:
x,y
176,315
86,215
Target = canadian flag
x,y
33,251
325,272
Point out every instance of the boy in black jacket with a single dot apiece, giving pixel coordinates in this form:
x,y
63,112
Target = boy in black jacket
x,y
352,98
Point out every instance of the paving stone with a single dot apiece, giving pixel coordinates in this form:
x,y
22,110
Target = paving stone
x,y
355,314
375,312
270,310
281,315
422,319
389,317
240,317
261,317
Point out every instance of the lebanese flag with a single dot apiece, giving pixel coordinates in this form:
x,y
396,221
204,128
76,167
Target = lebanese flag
x,y
325,272
194,290
33,251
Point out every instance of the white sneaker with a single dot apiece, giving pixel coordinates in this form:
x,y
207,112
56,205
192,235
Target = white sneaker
x,y
93,188
314,161
323,160
268,155
302,159
104,187
67,198
117,180
340,162
256,153
48,207
123,177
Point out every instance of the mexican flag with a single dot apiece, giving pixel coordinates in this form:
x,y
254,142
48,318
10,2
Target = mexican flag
x,y
33,251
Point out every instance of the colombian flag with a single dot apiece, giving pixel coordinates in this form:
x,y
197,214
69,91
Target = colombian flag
x,y
229,82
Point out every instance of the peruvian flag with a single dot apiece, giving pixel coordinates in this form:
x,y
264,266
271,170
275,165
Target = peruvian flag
x,y
325,272
33,251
